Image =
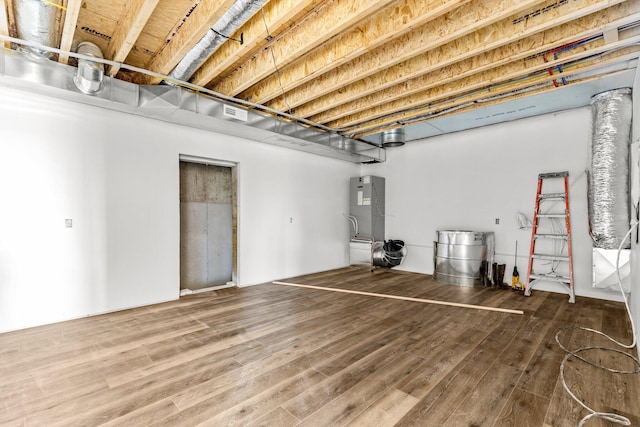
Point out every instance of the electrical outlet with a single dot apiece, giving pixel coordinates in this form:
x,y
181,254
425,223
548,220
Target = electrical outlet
x,y
290,220
68,223
497,220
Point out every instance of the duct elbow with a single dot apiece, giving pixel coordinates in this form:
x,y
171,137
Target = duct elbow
x,y
90,74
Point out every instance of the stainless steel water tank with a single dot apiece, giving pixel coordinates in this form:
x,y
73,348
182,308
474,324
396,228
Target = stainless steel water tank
x,y
460,255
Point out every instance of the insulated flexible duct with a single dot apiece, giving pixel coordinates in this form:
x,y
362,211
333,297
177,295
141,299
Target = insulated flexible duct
x,y
35,21
236,16
609,170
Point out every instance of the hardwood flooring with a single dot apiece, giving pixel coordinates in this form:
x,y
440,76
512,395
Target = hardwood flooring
x,y
272,355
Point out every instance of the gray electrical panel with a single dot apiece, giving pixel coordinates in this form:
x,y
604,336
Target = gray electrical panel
x,y
367,206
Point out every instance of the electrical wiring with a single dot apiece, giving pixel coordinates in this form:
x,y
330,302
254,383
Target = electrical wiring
x,y
354,223
515,87
351,129
275,64
423,113
59,6
524,223
442,107
558,226
437,113
240,40
615,418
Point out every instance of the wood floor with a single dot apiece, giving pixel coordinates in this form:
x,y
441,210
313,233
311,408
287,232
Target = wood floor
x,y
272,355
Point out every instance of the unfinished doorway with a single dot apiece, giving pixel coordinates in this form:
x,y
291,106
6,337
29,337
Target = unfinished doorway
x,y
207,225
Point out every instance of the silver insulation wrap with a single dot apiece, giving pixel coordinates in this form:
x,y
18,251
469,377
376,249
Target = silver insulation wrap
x,y
36,22
609,170
236,16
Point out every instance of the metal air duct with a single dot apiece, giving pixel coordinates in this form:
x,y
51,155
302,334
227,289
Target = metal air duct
x,y
35,21
226,26
90,74
393,138
609,170
174,104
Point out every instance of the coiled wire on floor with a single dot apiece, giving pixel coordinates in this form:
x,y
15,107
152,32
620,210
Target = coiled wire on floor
x,y
615,418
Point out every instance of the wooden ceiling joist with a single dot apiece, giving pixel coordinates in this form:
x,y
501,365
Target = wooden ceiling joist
x,y
435,113
519,50
130,25
326,23
357,66
436,98
69,28
497,76
397,19
195,27
160,28
444,29
419,59
277,16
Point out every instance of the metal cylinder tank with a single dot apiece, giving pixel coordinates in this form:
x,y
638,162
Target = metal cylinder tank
x,y
461,257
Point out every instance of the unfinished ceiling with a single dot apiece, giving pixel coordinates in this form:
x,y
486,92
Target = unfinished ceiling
x,y
359,68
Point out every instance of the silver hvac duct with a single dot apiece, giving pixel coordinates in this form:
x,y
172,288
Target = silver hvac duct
x,y
609,170
177,105
226,26
90,74
393,138
35,21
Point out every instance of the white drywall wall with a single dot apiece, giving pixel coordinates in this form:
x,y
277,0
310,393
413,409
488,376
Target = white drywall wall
x,y
634,297
117,177
468,179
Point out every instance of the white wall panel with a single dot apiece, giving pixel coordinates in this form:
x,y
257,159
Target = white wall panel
x,y
634,298
468,179
117,177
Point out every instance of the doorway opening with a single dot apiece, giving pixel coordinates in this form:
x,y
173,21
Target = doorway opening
x,y
208,224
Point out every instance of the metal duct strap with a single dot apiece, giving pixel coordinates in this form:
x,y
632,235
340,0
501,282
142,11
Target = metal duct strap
x,y
609,169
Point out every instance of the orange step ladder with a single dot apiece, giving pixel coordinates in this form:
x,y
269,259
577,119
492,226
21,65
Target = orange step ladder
x,y
562,235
